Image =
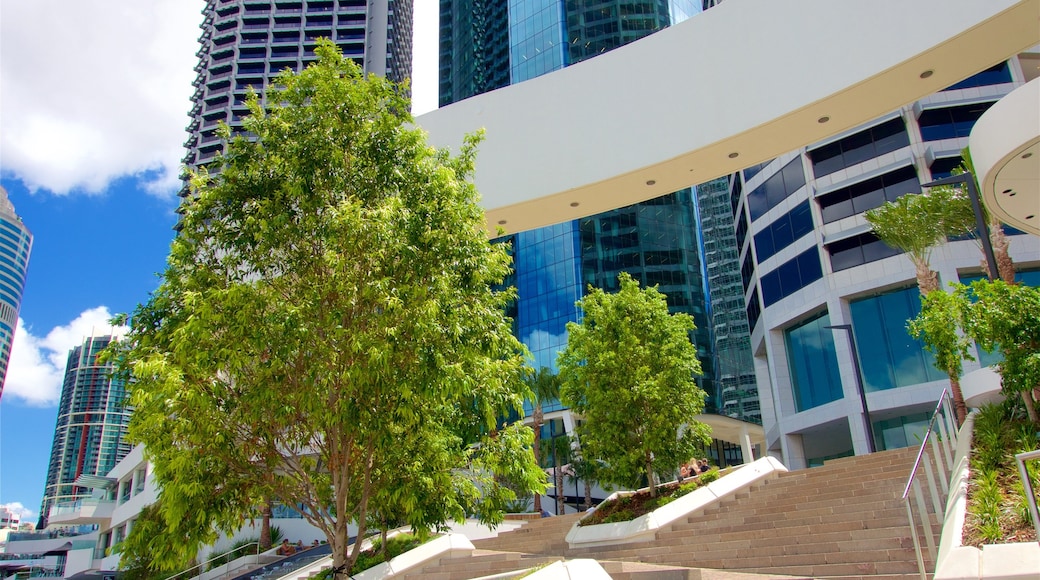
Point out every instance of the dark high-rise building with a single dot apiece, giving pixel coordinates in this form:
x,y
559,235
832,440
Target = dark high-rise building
x,y
89,436
15,245
658,242
246,43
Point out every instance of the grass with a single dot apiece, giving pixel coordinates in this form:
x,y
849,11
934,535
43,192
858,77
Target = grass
x,y
630,507
998,512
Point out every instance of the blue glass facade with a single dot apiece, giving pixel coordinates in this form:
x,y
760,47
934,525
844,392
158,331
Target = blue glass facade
x,y
89,435
15,246
896,359
657,242
813,363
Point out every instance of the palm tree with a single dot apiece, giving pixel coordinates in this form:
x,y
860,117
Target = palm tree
x,y
545,386
559,448
915,224
998,239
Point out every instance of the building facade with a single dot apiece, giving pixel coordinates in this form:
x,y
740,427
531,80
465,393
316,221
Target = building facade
x,y
810,263
90,432
658,242
247,43
15,246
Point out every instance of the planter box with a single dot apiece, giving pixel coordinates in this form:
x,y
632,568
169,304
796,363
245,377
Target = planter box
x,y
645,527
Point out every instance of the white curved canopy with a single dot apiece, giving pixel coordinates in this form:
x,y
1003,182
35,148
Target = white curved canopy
x,y
737,85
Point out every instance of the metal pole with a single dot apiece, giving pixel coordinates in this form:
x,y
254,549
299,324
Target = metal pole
x,y
859,383
980,220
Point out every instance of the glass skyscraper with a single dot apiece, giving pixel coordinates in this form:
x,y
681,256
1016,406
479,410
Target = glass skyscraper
x,y
658,242
15,246
89,436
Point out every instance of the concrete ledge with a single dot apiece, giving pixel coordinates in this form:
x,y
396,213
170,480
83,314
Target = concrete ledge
x,y
956,561
581,569
450,545
645,527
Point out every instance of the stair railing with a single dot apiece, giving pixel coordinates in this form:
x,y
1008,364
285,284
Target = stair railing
x,y
200,566
936,453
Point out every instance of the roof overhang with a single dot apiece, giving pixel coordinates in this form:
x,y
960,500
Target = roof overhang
x,y
1005,149
696,101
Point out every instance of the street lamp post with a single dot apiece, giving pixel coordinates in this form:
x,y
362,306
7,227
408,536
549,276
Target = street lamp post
x,y
859,383
980,221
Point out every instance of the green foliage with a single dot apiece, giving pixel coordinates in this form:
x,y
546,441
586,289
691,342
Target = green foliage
x,y
628,370
986,506
710,476
937,326
996,314
916,223
997,501
325,332
143,556
621,515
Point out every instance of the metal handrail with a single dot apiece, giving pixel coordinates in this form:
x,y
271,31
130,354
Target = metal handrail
x,y
943,442
183,572
1027,485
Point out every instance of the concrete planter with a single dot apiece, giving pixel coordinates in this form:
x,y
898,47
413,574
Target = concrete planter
x,y
994,561
645,527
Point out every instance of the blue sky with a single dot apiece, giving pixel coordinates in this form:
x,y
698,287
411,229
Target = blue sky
x,y
92,116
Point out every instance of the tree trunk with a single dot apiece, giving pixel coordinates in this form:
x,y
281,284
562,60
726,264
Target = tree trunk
x,y
559,492
265,526
998,239
650,476
958,399
1030,406
588,494
382,538
927,279
536,417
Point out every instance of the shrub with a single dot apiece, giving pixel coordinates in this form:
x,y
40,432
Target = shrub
x,y
395,546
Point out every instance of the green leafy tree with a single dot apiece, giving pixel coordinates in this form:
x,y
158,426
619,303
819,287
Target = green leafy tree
x,y
916,224
325,333
938,326
628,370
1007,316
545,386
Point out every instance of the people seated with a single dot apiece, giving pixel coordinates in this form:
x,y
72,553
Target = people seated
x,y
286,549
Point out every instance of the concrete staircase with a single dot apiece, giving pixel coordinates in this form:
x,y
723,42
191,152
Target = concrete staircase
x,y
842,520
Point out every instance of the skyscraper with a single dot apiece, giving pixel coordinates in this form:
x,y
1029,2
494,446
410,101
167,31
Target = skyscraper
x,y
15,246
818,283
247,43
658,242
89,435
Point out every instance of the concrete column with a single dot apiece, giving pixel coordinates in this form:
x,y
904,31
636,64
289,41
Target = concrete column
x,y
746,448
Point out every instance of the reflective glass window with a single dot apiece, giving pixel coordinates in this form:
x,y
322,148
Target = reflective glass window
x,y
813,363
893,357
950,122
994,75
791,276
857,250
859,147
776,188
784,231
868,194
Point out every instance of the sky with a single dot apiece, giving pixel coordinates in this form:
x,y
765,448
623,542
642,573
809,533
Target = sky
x,y
94,96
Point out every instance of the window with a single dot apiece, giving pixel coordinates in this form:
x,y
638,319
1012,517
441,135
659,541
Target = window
x,y
791,276
867,144
857,250
951,122
994,75
895,359
944,166
776,188
784,231
755,169
754,310
813,363
869,194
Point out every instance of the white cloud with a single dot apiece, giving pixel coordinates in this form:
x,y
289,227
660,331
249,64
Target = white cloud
x,y
93,90
24,514
37,364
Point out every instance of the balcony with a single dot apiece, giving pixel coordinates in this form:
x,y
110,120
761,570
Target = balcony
x,y
85,511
